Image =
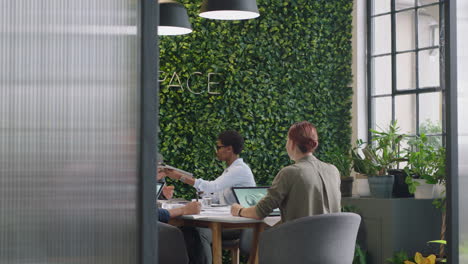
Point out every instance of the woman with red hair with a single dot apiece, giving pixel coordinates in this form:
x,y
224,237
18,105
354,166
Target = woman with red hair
x,y
308,187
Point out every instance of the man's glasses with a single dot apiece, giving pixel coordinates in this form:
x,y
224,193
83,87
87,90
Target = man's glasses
x,y
219,147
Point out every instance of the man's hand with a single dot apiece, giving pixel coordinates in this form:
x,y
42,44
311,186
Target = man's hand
x,y
168,191
192,208
161,173
175,175
235,208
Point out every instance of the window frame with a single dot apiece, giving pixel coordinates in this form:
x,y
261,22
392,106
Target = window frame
x,y
417,90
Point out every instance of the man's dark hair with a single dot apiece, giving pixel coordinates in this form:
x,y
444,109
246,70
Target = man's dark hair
x,y
232,138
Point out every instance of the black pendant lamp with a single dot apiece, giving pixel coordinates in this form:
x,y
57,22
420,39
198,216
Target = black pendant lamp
x,y
173,19
229,9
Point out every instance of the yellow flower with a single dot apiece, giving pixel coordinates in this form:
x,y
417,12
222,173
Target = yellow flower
x,y
431,259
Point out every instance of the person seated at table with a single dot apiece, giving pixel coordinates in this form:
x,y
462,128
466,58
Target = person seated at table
x,y
229,145
188,209
308,187
237,174
168,190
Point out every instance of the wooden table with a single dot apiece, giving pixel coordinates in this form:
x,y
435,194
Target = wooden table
x,y
219,222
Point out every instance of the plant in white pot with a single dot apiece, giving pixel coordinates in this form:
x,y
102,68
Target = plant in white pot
x,y
363,167
425,169
384,153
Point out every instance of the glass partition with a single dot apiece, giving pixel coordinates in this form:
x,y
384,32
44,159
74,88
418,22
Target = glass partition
x,y
69,128
462,82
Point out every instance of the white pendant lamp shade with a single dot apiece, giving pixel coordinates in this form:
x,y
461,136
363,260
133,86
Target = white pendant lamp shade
x,y
173,19
229,9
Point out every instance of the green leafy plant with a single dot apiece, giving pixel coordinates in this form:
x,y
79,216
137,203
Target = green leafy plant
x,y
442,243
342,161
398,257
429,128
424,162
362,164
349,209
382,153
293,63
360,255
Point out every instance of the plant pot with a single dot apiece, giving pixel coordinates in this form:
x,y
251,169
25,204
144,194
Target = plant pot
x,y
381,186
346,187
424,190
362,185
400,188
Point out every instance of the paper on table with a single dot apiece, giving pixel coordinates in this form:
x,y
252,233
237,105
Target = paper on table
x,y
216,211
272,220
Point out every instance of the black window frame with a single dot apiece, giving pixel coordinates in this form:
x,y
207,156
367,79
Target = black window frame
x,y
417,91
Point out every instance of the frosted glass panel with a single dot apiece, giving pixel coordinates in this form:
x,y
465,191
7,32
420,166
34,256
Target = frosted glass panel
x,y
69,111
462,62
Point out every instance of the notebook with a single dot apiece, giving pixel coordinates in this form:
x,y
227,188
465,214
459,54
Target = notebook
x,y
159,188
250,196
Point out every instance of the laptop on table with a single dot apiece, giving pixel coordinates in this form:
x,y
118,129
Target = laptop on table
x,y
250,196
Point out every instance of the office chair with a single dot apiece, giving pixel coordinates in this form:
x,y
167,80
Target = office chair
x,y
171,245
327,238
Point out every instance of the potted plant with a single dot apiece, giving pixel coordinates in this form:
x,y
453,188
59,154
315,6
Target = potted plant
x,y
425,169
342,162
384,153
363,167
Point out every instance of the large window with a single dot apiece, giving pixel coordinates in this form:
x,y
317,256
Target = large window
x,y
404,66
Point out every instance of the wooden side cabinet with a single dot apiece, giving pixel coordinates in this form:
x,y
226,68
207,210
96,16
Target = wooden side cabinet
x,y
391,225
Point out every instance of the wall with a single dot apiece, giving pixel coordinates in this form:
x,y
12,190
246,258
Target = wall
x,y
291,64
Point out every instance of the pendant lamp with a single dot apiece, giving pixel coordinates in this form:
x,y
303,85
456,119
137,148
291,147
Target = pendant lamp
x,y
173,19
229,9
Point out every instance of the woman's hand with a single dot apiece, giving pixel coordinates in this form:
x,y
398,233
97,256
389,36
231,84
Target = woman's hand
x,y
235,208
192,208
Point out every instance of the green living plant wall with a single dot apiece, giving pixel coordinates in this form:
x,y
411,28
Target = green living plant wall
x,y
293,63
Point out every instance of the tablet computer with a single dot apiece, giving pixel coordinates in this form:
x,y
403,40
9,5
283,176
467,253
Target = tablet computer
x,y
159,188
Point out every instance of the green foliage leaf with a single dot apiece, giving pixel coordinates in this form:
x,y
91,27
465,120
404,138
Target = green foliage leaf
x,y
425,161
398,257
293,63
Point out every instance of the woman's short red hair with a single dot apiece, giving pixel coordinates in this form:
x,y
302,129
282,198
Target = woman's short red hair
x,y
304,136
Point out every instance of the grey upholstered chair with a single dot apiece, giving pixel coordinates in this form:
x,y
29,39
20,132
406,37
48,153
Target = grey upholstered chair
x,y
327,238
171,245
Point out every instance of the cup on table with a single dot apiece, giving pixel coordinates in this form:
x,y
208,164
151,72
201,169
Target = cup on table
x,y
206,201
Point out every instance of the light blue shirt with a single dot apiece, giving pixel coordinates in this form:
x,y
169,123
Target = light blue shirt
x,y
236,175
